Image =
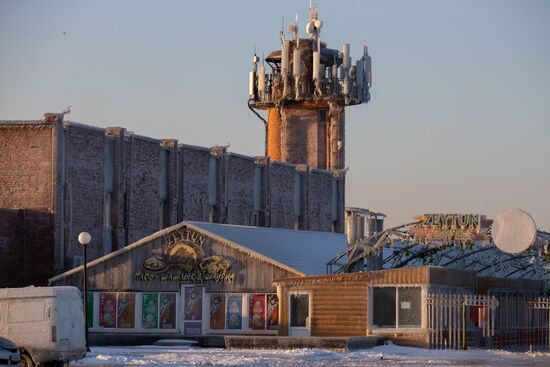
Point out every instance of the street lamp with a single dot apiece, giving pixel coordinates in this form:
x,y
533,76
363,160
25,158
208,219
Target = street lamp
x,y
84,238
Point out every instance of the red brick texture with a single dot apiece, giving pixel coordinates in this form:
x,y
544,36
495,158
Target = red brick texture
x,y
121,187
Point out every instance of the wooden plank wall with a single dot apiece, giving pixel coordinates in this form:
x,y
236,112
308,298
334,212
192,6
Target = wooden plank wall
x,y
116,273
339,308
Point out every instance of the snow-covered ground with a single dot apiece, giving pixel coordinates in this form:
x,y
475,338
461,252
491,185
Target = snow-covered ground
x,y
387,355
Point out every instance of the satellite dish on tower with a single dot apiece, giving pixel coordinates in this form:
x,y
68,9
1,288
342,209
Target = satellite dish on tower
x,y
513,231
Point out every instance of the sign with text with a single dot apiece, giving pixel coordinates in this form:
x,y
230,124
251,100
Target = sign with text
x,y
183,260
451,228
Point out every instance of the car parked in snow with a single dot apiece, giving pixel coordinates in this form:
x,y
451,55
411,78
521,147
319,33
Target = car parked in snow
x,y
9,353
46,323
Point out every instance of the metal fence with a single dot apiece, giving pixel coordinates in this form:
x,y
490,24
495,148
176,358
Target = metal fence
x,y
511,322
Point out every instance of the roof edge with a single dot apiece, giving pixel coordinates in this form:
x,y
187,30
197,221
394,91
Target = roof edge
x,y
165,231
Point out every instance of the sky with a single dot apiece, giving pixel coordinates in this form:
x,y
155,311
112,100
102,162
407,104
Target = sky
x,y
459,118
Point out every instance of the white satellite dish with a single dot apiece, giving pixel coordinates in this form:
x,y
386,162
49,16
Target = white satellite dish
x,y
513,231
310,28
318,24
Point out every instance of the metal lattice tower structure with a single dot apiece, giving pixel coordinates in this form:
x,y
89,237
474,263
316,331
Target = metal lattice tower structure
x,y
305,95
400,249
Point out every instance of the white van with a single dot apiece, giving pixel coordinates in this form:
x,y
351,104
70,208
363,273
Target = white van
x,y
46,323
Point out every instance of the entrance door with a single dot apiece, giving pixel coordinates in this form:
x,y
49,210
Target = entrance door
x,y
193,296
299,321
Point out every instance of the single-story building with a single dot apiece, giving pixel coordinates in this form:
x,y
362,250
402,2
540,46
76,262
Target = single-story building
x,y
199,278
392,303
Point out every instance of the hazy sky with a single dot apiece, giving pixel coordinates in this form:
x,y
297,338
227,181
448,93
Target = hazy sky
x,y
459,119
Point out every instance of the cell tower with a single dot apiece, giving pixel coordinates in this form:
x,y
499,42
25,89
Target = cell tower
x,y
305,95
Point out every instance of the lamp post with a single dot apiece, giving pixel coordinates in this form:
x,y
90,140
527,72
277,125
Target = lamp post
x,y
84,238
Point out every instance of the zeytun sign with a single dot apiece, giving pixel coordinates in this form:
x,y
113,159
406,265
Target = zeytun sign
x,y
451,228
183,260
452,220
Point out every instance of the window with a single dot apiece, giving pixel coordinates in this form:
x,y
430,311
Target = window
x,y
394,307
409,314
322,116
383,303
299,310
243,311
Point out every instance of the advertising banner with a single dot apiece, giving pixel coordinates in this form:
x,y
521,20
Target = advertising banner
x,y
234,312
149,310
107,310
217,311
193,303
167,318
256,312
126,310
272,312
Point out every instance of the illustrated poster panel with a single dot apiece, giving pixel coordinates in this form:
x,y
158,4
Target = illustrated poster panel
x,y
90,309
167,318
272,312
193,303
150,311
256,312
234,312
126,310
107,310
217,311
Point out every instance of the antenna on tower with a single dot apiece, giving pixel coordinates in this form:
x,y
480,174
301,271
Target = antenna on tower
x,y
282,32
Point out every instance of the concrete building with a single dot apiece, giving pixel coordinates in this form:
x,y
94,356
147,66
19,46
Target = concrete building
x,y
60,178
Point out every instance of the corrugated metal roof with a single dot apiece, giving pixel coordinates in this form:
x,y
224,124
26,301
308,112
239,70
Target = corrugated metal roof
x,y
305,251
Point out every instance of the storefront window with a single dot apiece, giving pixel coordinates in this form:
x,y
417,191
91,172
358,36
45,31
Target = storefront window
x,y
193,303
107,310
272,312
394,307
167,318
149,310
409,307
383,307
299,309
256,312
126,310
234,312
217,311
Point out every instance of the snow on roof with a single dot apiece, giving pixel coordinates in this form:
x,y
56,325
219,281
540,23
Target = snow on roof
x,y
305,251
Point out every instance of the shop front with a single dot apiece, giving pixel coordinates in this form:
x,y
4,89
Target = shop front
x,y
198,279
392,303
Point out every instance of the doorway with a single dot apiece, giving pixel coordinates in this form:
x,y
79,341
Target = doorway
x,y
193,309
299,314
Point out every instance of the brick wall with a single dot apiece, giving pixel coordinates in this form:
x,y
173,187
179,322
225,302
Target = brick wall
x,y
26,247
240,201
195,182
116,181
144,195
319,201
26,165
84,150
282,195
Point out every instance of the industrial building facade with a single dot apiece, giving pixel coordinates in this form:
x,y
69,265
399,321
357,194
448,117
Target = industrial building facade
x,y
60,178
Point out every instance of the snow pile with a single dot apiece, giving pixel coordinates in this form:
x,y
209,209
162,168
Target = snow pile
x,y
387,355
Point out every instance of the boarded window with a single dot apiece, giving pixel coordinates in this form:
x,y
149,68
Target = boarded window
x,y
299,309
